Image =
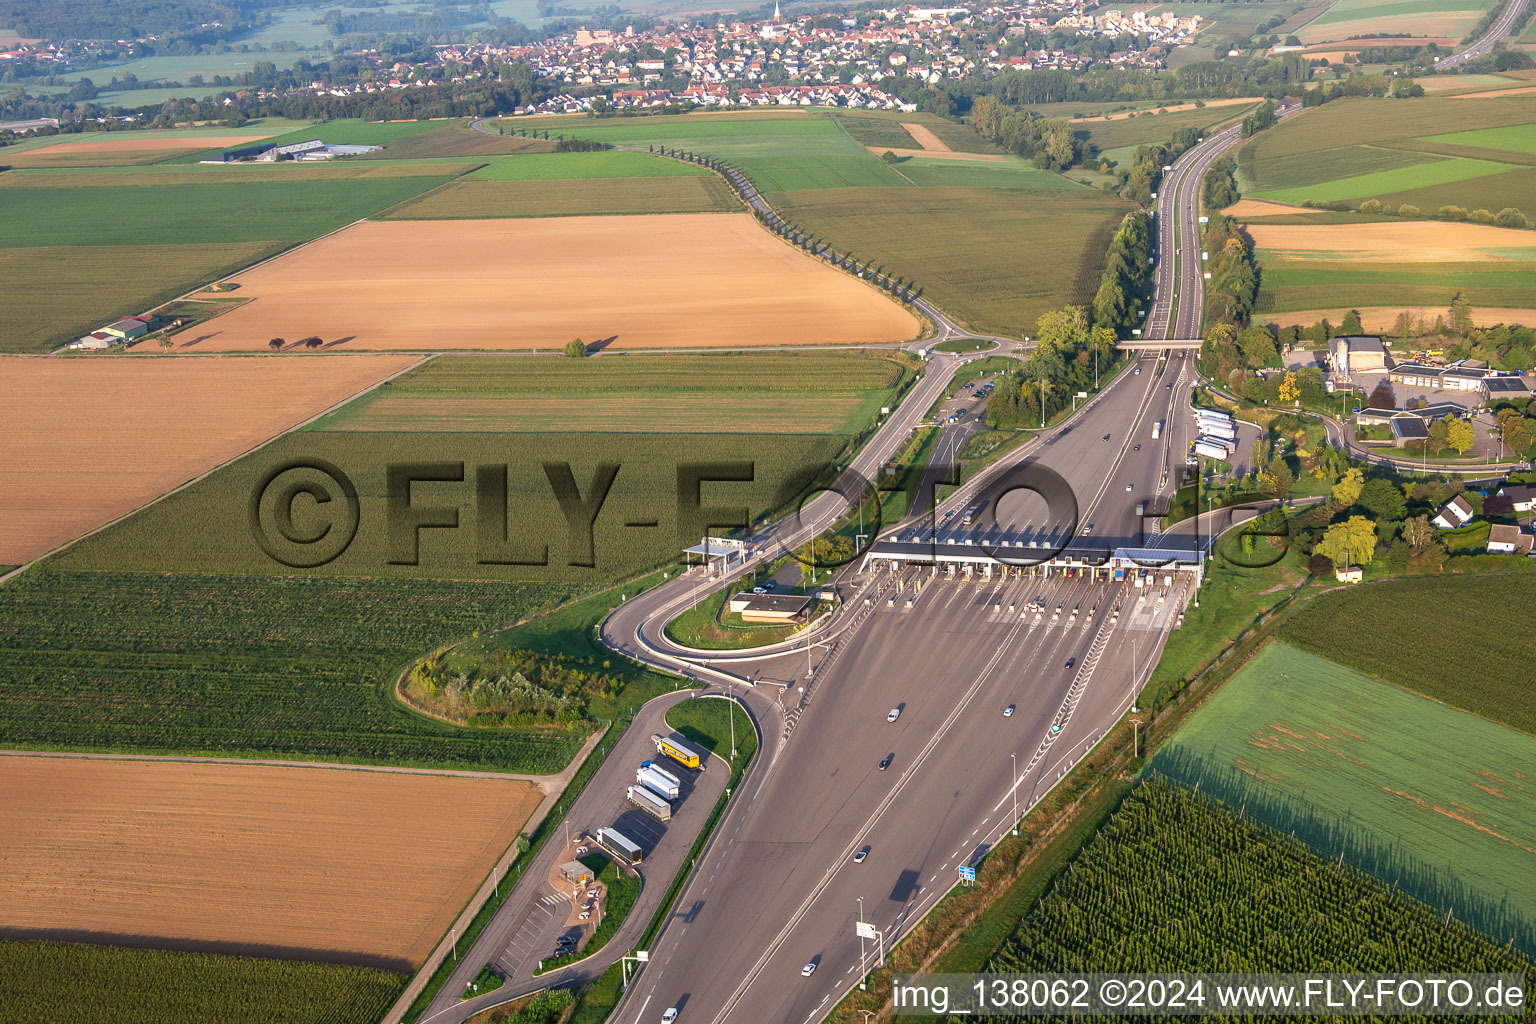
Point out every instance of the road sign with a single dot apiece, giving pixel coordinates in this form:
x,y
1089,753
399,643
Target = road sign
x,y
1082,394
967,874
866,930
643,955
1205,220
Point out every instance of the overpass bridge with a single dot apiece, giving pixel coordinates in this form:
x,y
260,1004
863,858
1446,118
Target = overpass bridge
x,y
1143,345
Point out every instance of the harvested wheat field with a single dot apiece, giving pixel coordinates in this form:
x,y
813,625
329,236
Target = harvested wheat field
x,y
1382,319
317,863
130,144
643,281
1171,108
1408,242
947,154
85,440
1264,208
925,138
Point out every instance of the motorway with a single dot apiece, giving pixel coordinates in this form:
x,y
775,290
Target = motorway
x,y
1488,41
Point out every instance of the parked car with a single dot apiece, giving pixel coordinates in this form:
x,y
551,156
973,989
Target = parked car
x,y
1136,448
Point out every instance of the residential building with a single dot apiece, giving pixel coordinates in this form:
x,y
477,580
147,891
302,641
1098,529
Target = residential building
x,y
1454,514
1523,496
1508,540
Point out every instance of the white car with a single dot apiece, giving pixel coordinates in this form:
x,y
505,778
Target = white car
x,y
1127,486
669,1016
759,590
895,714
808,970
1008,711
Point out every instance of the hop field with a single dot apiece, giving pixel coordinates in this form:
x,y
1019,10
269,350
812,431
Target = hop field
x,y
1436,801
49,982
1174,882
255,666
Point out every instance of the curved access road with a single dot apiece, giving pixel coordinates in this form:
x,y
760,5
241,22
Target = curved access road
x,y
1488,41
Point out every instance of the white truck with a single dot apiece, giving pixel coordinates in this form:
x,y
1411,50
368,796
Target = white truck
x,y
650,803
1211,450
1157,429
1214,429
663,784
1211,416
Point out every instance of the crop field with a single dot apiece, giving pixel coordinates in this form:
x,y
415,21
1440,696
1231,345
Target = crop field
x,y
1393,242
152,424
170,215
1289,285
54,294
1380,319
1350,18
808,393
998,172
1424,174
1520,138
305,861
42,982
612,163
888,129
989,256
454,139
1362,768
207,527
480,200
1175,882
223,174
1153,127
250,666
1488,672
785,153
707,280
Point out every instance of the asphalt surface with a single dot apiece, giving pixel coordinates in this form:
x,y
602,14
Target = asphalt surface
x,y
1488,41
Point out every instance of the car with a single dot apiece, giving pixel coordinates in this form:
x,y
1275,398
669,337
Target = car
x,y
759,590
1127,486
1106,437
1071,662
858,858
885,762
1138,371
1167,387
1087,529
895,714
1136,448
808,970
669,1016
1008,711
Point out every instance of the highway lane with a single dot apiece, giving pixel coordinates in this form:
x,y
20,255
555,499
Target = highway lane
x,y
1488,41
955,657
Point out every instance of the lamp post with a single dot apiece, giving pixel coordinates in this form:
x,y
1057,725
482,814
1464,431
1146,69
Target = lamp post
x,y
863,963
1015,757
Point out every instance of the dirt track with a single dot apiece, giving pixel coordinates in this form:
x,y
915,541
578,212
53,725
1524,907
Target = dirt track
x,y
647,281
87,439
925,138
349,866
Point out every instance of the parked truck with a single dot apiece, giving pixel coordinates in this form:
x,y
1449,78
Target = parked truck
x,y
1213,429
663,784
650,803
1211,450
618,846
678,749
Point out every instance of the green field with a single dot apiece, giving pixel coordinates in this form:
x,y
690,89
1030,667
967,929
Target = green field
x,y
1011,173
759,394
786,153
1409,790
1325,284
1385,183
205,528
472,200
704,722
1487,670
1174,882
884,128
1153,127
1520,138
995,258
1357,10
50,982
612,163
176,215
250,666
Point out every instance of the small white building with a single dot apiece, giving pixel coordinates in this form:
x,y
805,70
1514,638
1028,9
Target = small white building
x,y
1508,540
1454,514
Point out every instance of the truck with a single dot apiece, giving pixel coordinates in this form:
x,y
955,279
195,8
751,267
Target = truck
x,y
1210,416
663,784
650,803
618,846
1213,429
1210,450
679,750
1157,429
1226,444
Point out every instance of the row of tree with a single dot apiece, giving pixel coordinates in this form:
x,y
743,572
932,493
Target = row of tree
x,y
1233,287
1069,355
1127,276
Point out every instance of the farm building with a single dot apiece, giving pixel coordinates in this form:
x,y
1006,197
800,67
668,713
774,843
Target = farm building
x,y
1454,514
95,341
769,607
1354,354
1508,540
129,328
266,153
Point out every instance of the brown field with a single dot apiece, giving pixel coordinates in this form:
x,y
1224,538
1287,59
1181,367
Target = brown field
x,y
1440,25
85,440
139,145
947,154
1173,108
645,281
1264,208
309,862
210,174
925,137
1408,242
1523,90
1379,319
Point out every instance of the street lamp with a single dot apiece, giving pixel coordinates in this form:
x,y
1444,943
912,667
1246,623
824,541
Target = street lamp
x,y
863,963
1015,757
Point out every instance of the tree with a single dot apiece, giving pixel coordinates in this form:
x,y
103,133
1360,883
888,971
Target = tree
x,y
166,344
1439,433
575,348
1496,505
1418,532
1258,346
1320,565
1351,324
1381,396
276,343
1383,499
1347,491
1278,479
1459,436
1290,388
1352,541
889,157
1461,314
313,341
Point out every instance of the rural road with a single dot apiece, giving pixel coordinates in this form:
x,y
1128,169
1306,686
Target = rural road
x,y
1488,41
